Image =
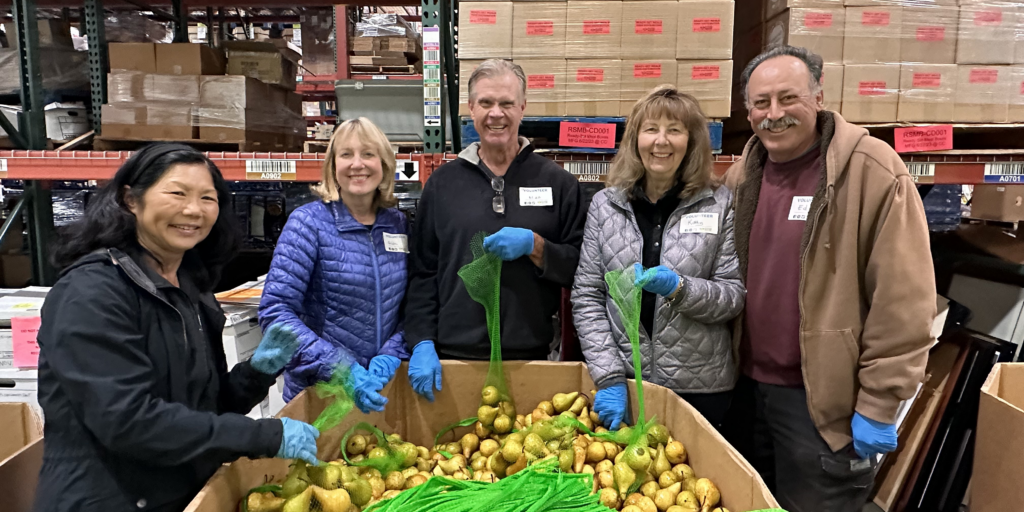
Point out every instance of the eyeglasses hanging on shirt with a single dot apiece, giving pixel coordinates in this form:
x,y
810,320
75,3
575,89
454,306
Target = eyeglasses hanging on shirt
x,y
498,203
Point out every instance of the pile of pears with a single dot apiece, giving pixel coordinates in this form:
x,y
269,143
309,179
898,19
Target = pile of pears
x,y
501,444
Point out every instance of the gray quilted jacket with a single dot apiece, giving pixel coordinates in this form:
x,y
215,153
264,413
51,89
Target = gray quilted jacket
x,y
692,347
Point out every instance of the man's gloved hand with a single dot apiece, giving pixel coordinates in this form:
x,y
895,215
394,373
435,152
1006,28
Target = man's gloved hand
x,y
872,437
298,441
510,243
383,367
425,370
366,387
610,405
276,348
659,280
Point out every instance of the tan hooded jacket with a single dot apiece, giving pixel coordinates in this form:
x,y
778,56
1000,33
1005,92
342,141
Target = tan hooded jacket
x,y
867,285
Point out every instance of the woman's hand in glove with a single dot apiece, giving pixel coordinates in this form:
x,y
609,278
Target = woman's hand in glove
x,y
366,387
298,441
276,348
383,367
659,280
610,405
425,370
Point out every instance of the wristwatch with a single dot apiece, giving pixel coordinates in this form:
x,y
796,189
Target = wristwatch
x,y
679,291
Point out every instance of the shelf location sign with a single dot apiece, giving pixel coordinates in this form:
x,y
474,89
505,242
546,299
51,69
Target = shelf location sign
x,y
270,170
924,138
586,135
432,76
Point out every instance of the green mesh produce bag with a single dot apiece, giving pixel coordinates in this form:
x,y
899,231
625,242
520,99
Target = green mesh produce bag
x,y
482,278
341,390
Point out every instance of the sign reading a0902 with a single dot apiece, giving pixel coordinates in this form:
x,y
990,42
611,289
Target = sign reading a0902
x,y
270,170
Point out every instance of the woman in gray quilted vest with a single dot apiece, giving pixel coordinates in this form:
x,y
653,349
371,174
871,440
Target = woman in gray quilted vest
x,y
663,211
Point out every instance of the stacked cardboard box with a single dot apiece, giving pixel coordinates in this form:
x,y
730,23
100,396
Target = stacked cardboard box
x,y
612,52
180,92
385,43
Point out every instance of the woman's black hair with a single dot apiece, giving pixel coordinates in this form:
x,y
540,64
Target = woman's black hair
x,y
109,224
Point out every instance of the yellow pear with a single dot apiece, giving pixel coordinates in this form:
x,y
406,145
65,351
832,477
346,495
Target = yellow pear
x,y
676,452
563,401
300,502
486,415
490,395
359,491
707,494
264,502
336,500
660,463
624,477
470,443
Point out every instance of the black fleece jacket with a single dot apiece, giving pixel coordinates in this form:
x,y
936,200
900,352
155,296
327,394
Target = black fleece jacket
x,y
455,205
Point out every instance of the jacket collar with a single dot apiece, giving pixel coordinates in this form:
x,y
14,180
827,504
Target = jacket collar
x,y
472,153
618,198
134,272
387,218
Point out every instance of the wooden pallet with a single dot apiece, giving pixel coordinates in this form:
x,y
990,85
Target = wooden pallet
x,y
383,70
315,146
104,144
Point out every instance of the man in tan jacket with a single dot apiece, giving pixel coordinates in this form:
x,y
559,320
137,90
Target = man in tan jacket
x,y
833,249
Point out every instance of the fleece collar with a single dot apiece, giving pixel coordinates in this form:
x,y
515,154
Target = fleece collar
x,y
472,153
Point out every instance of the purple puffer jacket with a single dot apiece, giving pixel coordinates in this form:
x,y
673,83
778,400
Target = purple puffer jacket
x,y
333,281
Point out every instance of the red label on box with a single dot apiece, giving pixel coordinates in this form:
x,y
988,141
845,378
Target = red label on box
x,y
707,24
704,73
647,27
592,75
875,18
586,135
646,70
540,81
988,17
483,17
871,88
23,340
924,138
540,28
931,33
984,76
1022,88
927,80
597,27
818,20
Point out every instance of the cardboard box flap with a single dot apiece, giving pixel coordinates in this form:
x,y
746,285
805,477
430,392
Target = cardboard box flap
x,y
21,427
995,486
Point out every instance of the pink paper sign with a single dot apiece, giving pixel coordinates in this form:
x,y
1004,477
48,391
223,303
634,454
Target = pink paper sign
x,y
924,138
23,337
586,135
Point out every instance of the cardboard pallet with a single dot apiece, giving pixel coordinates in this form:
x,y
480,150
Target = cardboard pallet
x,y
383,70
249,146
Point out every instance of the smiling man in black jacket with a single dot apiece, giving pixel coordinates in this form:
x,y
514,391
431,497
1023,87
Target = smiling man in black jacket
x,y
532,209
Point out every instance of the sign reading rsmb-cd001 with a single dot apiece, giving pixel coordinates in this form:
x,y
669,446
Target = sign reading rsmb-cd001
x,y
586,135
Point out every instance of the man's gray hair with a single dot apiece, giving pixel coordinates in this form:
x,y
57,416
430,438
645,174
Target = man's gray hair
x,y
812,60
493,68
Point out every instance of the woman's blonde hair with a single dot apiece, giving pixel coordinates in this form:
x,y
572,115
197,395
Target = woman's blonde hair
x,y
368,134
627,168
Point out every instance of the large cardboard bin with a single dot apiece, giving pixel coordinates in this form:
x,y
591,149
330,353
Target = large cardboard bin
x,y
21,456
531,382
999,452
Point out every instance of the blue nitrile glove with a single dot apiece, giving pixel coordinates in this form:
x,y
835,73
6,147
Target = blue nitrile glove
x,y
298,441
610,405
425,370
276,348
659,280
872,437
383,367
510,243
366,387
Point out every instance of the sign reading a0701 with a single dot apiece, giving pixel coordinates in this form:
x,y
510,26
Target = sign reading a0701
x,y
270,170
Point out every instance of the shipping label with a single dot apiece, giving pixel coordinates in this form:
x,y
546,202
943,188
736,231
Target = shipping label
x,y
988,18
540,28
874,18
984,76
597,27
927,80
590,75
649,70
705,73
930,34
871,88
647,27
540,81
483,17
818,20
707,24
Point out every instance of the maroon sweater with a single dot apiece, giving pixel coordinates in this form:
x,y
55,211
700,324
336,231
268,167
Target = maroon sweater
x,y
770,347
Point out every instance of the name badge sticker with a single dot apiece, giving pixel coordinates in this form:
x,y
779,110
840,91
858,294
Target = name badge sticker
x,y
538,196
699,223
396,243
800,208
